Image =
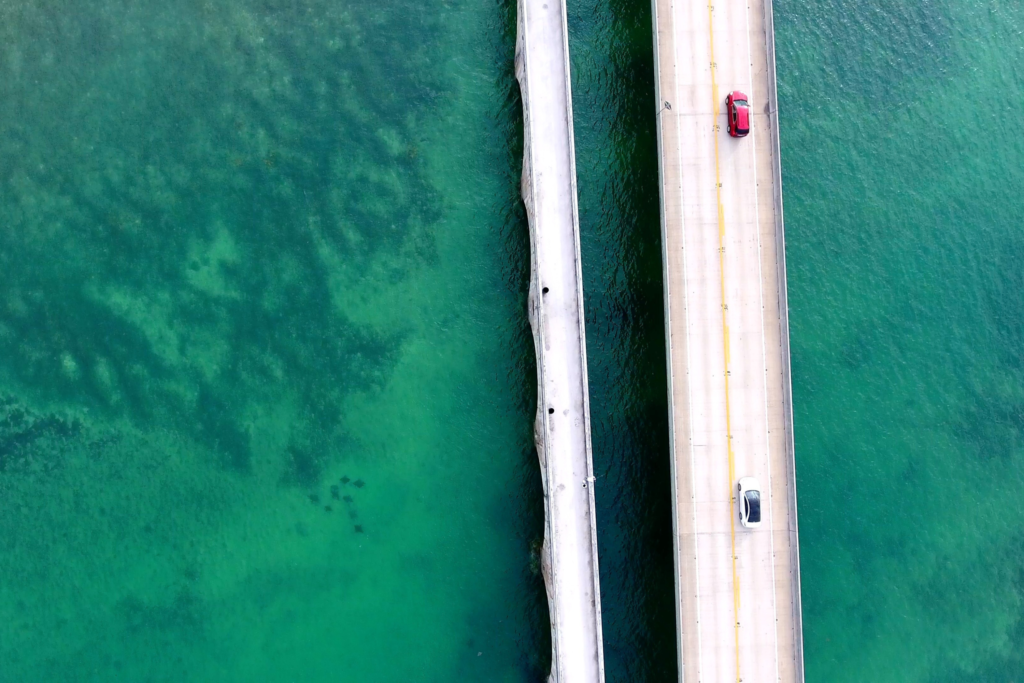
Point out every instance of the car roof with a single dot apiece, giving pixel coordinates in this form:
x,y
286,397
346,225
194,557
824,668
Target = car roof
x,y
743,118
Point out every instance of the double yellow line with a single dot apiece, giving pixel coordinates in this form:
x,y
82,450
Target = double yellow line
x,y
725,341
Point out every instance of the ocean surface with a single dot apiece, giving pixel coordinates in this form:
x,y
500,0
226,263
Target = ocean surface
x,y
903,171
266,380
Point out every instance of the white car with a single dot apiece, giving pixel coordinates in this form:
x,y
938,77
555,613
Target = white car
x,y
750,502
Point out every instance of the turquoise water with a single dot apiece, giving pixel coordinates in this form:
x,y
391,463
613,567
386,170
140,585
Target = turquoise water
x,y
904,171
266,384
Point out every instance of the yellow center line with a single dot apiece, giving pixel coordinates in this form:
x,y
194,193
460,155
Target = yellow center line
x,y
725,342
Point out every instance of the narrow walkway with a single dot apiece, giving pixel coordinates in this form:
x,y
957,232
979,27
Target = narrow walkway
x,y
562,429
738,589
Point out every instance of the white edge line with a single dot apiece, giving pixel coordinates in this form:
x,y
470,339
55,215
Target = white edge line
x,y
787,378
689,361
764,352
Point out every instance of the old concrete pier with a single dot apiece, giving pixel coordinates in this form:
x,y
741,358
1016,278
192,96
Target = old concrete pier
x,y
562,427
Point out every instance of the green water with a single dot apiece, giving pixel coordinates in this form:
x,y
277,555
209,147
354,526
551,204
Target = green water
x,y
610,45
904,171
266,384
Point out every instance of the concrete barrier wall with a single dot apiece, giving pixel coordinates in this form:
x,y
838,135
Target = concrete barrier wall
x,y
787,388
562,426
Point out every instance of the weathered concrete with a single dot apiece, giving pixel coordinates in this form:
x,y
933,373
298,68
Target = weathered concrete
x,y
738,590
562,428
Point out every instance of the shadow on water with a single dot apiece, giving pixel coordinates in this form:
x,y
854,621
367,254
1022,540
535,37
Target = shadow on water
x,y
613,98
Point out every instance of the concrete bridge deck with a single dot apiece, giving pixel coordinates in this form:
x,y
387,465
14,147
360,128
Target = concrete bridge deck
x,y
562,426
738,589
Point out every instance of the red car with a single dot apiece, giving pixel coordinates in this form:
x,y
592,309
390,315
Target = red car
x,y
738,110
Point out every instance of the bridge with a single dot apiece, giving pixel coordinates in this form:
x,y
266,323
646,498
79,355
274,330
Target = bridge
x,y
727,335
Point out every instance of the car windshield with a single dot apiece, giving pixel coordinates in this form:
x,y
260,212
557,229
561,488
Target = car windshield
x,y
754,505
741,103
